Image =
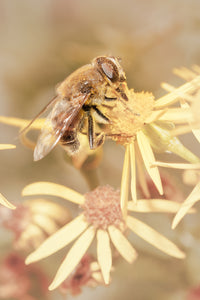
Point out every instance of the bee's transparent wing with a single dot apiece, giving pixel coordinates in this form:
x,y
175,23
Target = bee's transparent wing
x,y
49,105
59,119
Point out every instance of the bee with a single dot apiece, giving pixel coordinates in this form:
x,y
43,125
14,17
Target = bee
x,y
77,106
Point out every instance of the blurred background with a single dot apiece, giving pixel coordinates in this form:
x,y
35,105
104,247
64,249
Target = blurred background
x,y
42,42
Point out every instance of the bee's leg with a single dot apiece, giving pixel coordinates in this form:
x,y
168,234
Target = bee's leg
x,y
81,125
105,120
110,98
100,139
94,141
91,130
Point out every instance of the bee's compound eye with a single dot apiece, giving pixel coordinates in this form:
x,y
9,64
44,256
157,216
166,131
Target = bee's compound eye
x,y
109,71
108,68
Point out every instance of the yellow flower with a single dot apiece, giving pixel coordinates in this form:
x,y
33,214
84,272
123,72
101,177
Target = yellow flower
x,y
3,200
144,126
101,218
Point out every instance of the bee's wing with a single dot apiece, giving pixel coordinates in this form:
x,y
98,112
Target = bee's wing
x,y
51,103
56,123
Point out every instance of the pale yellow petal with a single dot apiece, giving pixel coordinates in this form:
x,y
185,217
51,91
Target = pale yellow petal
x,y
32,237
22,123
142,179
182,166
172,97
5,202
51,209
170,88
104,254
155,115
44,222
53,189
73,257
7,146
184,73
153,237
155,206
133,173
195,131
161,140
122,245
196,68
125,181
94,266
60,239
177,115
97,276
187,204
149,159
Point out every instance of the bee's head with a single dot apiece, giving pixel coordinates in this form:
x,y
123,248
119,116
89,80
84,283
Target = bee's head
x,y
110,67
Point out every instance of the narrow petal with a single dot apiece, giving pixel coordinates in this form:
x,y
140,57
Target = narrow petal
x,y
173,97
196,68
149,159
176,165
73,257
155,115
53,189
7,146
104,254
141,173
195,131
94,266
46,223
97,276
60,239
51,209
125,182
155,206
177,115
133,173
122,245
184,73
22,123
153,237
5,202
32,237
187,204
170,88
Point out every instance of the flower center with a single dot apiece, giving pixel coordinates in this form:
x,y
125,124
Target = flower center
x,y
128,117
102,207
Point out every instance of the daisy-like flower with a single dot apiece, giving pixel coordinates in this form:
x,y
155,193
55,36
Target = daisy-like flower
x,y
3,200
144,126
101,218
33,221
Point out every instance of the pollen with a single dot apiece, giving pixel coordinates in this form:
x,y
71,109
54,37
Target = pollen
x,y
102,207
127,118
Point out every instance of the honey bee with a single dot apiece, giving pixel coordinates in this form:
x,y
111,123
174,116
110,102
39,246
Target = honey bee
x,y
77,106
